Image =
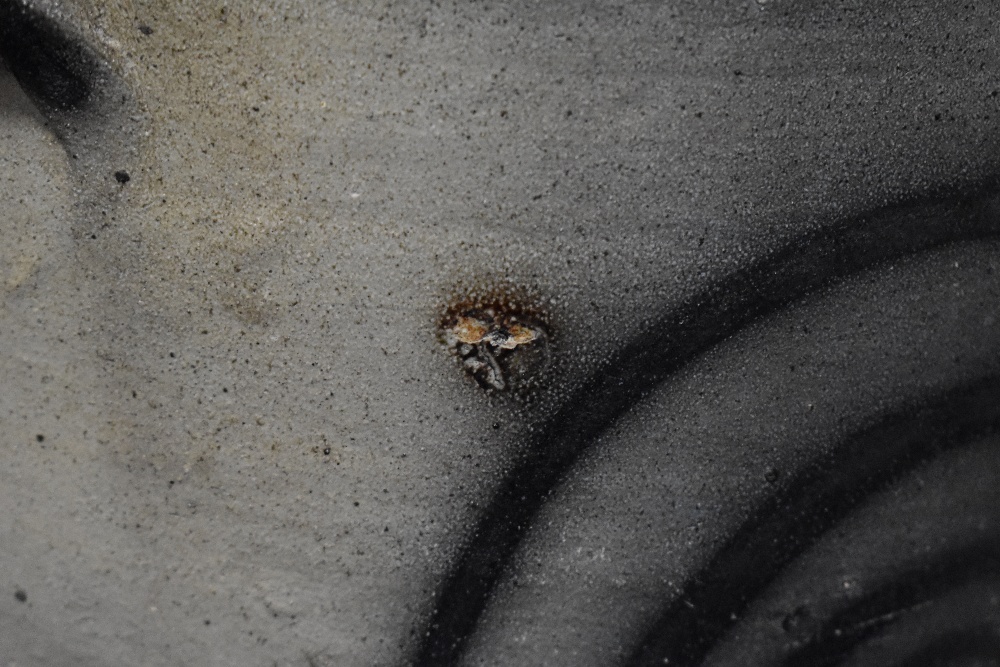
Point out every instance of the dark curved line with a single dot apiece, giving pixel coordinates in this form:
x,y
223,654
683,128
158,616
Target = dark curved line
x,y
875,613
810,262
56,69
816,500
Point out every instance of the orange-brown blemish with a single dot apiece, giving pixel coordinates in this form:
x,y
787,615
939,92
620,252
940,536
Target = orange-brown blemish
x,y
470,330
486,332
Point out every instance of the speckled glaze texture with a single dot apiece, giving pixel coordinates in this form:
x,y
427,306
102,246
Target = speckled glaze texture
x,y
499,333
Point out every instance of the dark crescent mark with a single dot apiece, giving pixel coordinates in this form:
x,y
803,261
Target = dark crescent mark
x,y
807,263
842,633
817,499
57,70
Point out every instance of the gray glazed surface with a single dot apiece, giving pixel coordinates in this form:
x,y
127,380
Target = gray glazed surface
x,y
763,236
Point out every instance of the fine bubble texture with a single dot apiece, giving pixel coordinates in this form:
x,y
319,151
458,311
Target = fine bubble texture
x,y
451,333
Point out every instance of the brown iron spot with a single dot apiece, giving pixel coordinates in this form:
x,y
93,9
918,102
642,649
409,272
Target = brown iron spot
x,y
500,338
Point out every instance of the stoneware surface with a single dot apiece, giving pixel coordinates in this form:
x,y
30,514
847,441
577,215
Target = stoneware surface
x,y
755,246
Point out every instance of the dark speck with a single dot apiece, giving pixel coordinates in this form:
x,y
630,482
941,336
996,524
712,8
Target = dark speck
x,y
21,595
122,177
772,475
799,622
146,30
208,622
496,426
326,451
40,438
356,503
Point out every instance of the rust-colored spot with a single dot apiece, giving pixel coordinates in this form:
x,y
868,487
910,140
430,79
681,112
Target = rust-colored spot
x,y
469,329
499,340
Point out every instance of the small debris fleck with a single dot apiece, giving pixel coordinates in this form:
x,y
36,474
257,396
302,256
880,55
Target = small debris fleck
x,y
483,337
799,622
122,177
326,451
40,438
21,595
145,29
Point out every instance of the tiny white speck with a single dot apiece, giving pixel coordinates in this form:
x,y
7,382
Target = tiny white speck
x,y
355,195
